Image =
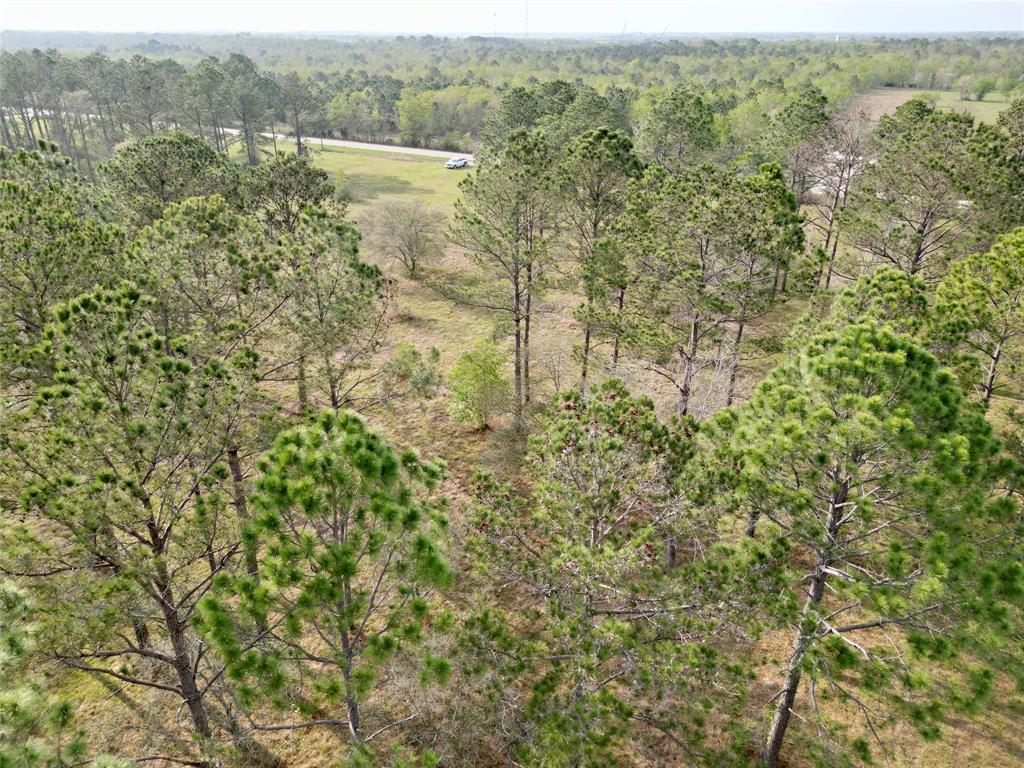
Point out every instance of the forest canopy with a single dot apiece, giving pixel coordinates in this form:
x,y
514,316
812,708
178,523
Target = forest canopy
x,y
681,424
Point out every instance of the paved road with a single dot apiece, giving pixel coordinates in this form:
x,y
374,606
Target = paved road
x,y
394,149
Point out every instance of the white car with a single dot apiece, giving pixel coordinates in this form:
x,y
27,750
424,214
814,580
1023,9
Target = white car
x,y
457,162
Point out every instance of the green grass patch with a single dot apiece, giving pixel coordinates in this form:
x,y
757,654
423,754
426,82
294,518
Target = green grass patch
x,y
370,177
884,101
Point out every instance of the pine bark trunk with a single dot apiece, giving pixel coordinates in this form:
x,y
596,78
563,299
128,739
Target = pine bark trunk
x,y
177,631
806,630
252,566
526,335
989,385
730,396
517,318
689,364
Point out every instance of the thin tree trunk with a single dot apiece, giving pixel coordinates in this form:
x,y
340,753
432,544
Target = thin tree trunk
x,y
103,124
351,703
832,260
775,281
801,643
923,231
689,361
842,207
85,149
183,662
989,385
586,346
670,552
526,334
8,139
248,135
16,130
517,364
37,113
618,326
30,130
805,632
252,565
303,385
735,364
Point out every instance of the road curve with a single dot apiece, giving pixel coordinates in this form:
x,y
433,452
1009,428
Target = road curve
x,y
393,148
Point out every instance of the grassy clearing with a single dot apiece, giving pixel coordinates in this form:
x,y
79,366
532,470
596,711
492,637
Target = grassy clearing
x,y
883,101
370,177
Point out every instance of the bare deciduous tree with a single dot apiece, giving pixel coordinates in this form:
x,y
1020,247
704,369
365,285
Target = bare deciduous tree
x,y
409,232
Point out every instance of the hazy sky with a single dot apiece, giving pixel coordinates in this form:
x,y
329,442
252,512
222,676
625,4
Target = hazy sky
x,y
513,17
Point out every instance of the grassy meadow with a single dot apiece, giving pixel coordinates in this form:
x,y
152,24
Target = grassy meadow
x,y
370,177
883,101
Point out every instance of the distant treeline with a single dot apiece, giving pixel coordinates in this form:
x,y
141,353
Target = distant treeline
x,y
434,91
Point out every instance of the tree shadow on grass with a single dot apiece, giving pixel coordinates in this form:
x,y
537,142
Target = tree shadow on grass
x,y
367,186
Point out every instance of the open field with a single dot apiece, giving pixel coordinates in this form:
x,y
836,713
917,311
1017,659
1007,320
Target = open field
x,y
371,177
883,101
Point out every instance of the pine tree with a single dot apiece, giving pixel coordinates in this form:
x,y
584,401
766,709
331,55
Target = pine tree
x,y
862,455
354,558
930,194
279,190
796,137
981,305
679,131
248,96
506,220
337,318
121,465
296,100
214,276
706,248
594,173
149,174
617,592
888,297
54,244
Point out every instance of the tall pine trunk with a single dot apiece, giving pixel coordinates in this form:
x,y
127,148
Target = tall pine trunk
x,y
526,334
731,394
182,662
689,365
618,325
517,319
298,135
801,644
807,628
303,385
